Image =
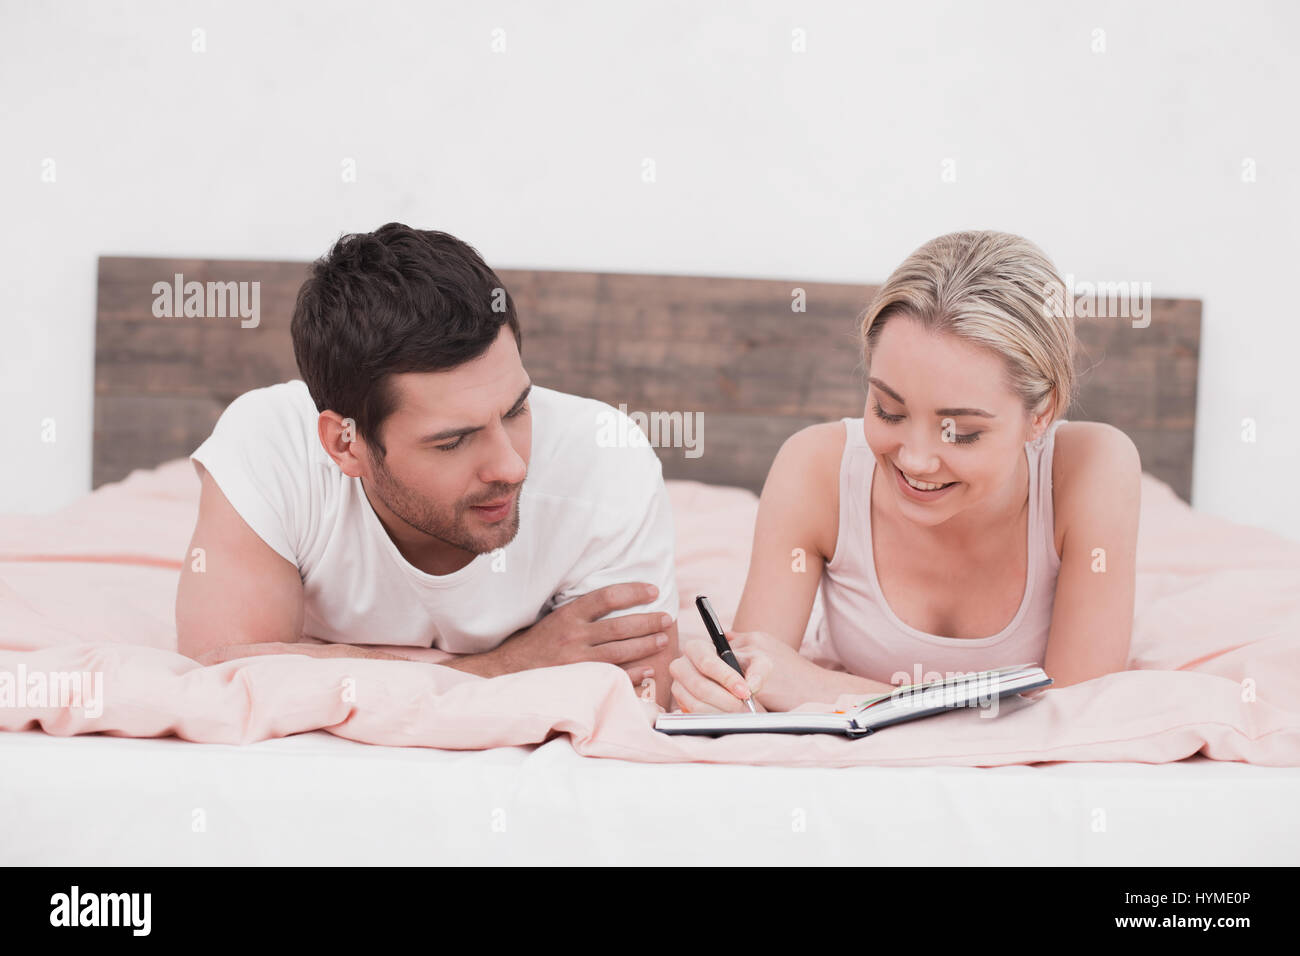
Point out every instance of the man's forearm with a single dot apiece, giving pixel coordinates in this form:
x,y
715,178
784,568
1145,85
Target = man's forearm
x,y
487,664
235,651
500,660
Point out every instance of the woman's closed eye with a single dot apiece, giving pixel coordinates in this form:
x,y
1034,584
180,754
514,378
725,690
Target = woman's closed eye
x,y
895,419
885,417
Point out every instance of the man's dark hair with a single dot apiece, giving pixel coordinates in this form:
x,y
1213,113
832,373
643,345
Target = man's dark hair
x,y
394,300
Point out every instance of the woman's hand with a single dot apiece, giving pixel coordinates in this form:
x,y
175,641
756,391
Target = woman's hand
x,y
704,683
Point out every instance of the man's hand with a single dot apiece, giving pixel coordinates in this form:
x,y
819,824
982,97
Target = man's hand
x,y
572,633
642,644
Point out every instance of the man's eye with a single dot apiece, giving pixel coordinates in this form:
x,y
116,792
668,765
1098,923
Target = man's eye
x,y
459,441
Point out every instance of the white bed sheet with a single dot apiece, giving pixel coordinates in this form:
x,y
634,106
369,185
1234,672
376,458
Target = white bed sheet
x,y
317,799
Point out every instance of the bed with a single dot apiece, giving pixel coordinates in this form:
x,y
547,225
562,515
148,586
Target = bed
x,y
222,765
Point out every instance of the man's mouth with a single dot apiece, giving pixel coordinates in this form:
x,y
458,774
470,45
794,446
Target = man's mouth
x,y
494,510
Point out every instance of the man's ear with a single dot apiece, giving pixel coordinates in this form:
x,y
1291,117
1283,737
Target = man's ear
x,y
339,437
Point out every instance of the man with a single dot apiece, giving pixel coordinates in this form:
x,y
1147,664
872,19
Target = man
x,y
416,488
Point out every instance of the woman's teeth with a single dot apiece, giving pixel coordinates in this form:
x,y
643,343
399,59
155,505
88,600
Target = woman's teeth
x,y
923,485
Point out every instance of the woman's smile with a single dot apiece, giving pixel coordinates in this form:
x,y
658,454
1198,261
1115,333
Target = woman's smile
x,y
928,494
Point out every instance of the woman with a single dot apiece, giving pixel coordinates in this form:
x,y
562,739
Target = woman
x,y
961,524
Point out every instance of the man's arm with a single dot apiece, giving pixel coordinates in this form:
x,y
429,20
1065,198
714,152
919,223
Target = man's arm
x,y
237,597
583,630
235,590
233,651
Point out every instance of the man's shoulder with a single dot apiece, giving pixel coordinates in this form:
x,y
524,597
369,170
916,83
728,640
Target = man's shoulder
x,y
272,408
584,447
258,454
287,398
273,421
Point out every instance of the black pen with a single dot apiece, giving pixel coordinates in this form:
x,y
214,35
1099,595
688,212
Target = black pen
x,y
720,643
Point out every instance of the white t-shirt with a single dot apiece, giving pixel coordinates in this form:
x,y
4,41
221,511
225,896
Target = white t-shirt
x,y
589,515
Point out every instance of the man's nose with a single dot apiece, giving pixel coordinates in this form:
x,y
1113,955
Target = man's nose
x,y
504,464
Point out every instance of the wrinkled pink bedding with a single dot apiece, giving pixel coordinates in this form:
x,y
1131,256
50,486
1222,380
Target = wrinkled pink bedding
x,y
1215,665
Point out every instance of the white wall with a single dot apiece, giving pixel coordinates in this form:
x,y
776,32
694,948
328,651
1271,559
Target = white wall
x,y
1123,165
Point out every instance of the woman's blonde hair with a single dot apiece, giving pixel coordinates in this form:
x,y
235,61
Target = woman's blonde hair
x,y
993,289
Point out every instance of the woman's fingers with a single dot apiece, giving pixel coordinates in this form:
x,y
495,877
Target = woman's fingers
x,y
757,664
757,670
694,685
710,699
687,701
706,660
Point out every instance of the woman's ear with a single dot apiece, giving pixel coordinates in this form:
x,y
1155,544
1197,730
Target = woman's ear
x,y
1041,417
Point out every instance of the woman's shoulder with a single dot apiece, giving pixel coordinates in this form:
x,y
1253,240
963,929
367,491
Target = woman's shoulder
x,y
821,442
1081,446
1095,468
805,478
814,453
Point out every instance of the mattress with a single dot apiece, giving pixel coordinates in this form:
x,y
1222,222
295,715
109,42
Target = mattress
x,y
317,799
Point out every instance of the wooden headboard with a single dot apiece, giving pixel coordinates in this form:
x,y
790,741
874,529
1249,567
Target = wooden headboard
x,y
732,349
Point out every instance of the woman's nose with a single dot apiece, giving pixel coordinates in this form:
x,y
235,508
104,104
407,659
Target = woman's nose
x,y
917,457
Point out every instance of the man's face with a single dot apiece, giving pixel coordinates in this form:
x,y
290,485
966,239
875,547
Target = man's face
x,y
457,440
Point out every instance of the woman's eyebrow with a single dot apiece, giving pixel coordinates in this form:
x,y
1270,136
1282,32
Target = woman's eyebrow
x,y
938,411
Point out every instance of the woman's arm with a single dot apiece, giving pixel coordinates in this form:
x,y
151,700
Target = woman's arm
x,y
1097,476
794,536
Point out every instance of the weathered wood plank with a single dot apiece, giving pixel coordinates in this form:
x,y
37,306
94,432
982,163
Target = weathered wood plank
x,y
731,349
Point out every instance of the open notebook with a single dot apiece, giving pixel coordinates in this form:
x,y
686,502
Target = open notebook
x,y
981,690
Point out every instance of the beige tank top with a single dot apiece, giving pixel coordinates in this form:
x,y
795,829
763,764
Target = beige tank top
x,y
858,630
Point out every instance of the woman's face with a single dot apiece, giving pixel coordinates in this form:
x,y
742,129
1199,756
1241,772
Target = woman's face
x,y
938,410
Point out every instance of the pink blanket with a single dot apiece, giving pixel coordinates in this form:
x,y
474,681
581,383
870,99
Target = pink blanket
x,y
1215,665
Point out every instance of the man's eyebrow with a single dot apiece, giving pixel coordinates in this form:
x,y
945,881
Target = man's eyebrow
x,y
938,411
471,429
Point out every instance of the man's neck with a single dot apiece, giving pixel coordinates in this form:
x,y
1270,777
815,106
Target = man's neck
x,y
421,551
